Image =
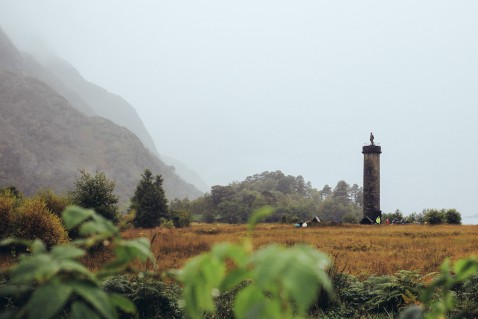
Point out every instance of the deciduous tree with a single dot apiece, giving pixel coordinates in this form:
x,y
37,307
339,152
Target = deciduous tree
x,y
96,192
452,216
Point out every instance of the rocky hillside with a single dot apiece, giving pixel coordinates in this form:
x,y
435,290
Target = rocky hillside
x,y
44,140
104,103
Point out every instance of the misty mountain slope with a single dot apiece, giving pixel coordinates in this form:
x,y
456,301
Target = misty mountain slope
x,y
35,69
11,59
116,109
186,173
104,103
44,141
82,95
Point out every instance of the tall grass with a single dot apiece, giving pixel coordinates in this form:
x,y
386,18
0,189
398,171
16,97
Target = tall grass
x,y
358,250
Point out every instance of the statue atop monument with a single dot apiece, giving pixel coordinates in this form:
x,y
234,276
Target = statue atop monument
x,y
371,138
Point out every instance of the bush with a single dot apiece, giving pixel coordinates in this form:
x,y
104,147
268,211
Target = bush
x,y
415,218
467,298
55,203
153,299
434,217
7,206
351,218
166,223
96,192
375,294
452,216
54,283
181,218
33,220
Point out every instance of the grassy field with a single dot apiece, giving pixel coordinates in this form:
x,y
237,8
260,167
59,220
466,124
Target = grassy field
x,y
359,250
355,249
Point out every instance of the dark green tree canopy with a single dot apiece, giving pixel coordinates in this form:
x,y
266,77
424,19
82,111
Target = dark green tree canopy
x,y
452,216
149,201
96,192
292,197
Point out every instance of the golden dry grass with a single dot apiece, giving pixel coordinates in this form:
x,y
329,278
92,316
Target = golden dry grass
x,y
355,249
359,250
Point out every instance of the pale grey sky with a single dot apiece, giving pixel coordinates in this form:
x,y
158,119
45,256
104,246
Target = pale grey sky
x,y
234,88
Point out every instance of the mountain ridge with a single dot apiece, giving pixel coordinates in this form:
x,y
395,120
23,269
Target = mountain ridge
x,y
45,139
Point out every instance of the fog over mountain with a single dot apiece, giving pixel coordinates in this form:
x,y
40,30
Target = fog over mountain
x,y
44,140
236,88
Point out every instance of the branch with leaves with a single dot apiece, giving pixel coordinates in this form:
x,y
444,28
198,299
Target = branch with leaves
x,y
58,283
280,282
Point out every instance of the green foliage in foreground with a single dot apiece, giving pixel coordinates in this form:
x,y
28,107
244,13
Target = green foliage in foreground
x,y
153,298
279,282
56,282
230,281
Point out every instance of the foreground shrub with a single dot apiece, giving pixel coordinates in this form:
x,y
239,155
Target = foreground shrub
x,y
33,220
467,298
153,298
283,282
439,300
7,206
54,202
55,284
376,294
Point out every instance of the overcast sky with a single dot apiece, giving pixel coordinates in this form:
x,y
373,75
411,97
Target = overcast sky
x,y
234,88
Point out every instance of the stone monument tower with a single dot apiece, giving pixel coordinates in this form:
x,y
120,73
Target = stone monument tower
x,y
371,182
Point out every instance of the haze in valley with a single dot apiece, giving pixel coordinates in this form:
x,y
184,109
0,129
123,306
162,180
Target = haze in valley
x,y
234,88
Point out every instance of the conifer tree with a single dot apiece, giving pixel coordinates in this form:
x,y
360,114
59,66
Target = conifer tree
x,y
149,201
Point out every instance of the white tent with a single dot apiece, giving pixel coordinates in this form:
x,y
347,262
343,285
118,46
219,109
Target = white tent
x,y
315,220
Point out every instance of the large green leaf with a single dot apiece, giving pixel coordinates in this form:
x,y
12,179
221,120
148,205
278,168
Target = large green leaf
x,y
201,277
465,268
258,215
234,278
73,266
139,248
38,247
80,310
15,241
292,274
9,314
66,252
94,227
47,300
96,297
35,267
230,251
252,303
74,215
123,303
14,290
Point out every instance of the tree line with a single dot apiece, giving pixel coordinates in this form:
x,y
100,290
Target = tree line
x,y
39,216
292,198
427,216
